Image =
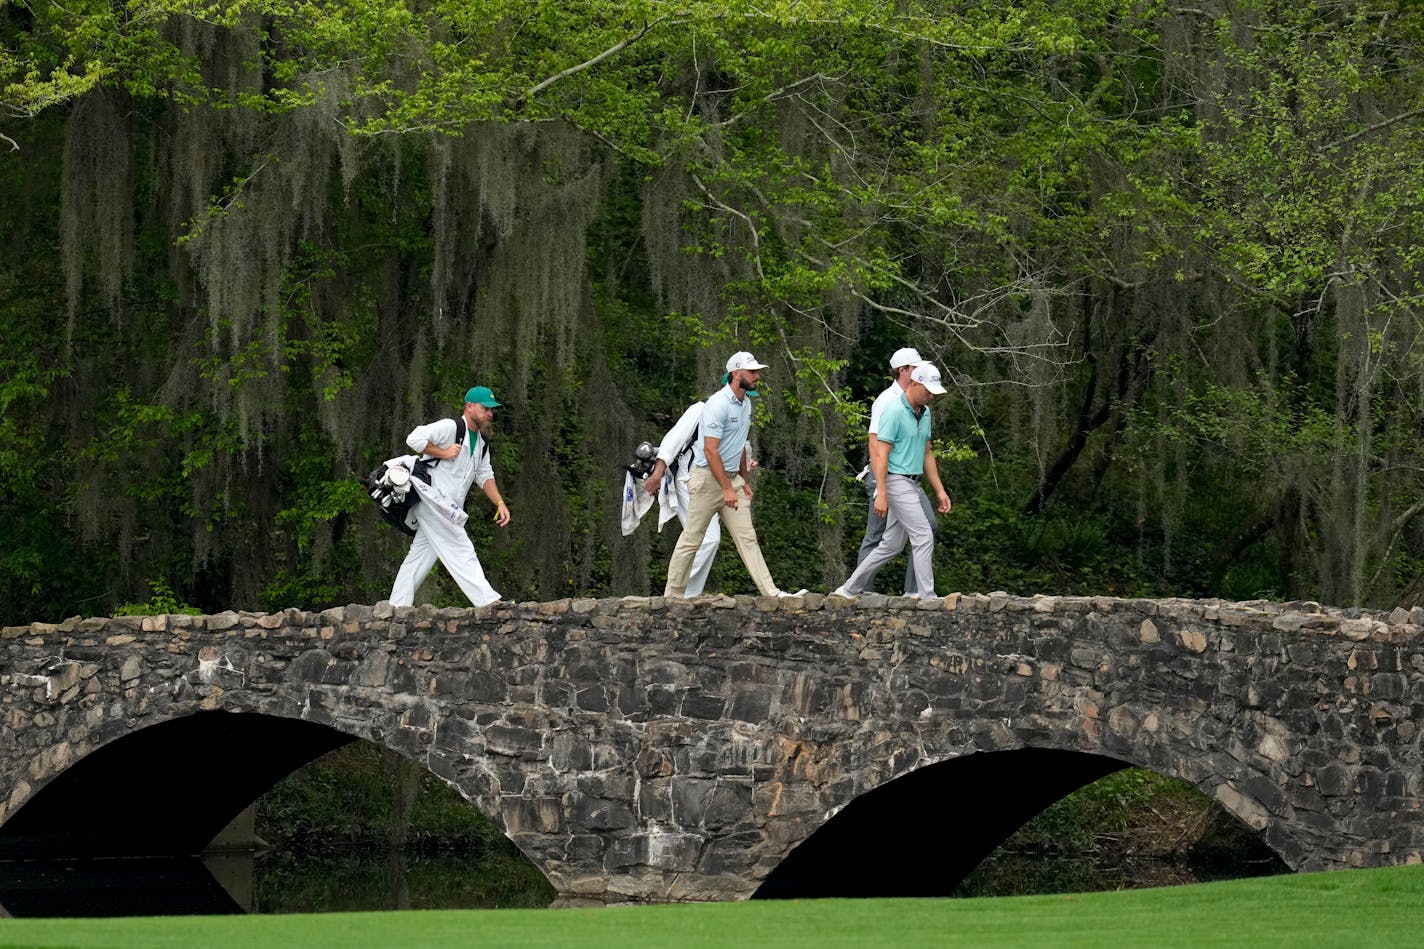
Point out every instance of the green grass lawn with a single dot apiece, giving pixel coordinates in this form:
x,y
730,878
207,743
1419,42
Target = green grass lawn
x,y
1356,908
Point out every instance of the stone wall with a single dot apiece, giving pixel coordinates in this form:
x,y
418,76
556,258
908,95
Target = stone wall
x,y
639,749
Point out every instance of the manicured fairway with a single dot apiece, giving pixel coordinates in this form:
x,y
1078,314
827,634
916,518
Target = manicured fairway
x,y
1357,908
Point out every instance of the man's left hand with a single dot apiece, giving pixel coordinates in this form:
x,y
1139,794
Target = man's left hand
x,y
501,514
944,503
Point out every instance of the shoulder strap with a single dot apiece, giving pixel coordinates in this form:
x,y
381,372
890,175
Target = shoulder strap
x,y
696,430
459,438
691,441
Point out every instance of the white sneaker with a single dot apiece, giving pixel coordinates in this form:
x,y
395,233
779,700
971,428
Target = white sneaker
x,y
842,592
801,592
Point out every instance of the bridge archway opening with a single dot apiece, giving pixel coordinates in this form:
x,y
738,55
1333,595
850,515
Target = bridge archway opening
x,y
924,833
162,791
129,829
389,834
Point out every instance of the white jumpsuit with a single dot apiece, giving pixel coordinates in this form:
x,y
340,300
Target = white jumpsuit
x,y
435,537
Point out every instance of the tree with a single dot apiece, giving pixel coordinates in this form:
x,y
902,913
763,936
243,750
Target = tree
x,y
1140,238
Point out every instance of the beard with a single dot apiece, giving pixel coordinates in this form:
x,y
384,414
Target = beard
x,y
483,425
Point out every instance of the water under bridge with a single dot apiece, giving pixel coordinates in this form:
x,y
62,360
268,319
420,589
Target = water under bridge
x,y
721,748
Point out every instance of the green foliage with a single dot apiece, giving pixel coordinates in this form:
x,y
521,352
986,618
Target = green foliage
x,y
161,601
1131,828
349,802
1170,260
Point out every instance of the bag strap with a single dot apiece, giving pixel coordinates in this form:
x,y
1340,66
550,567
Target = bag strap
x,y
459,439
677,459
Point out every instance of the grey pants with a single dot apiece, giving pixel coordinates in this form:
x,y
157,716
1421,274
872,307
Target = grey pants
x,y
875,529
910,520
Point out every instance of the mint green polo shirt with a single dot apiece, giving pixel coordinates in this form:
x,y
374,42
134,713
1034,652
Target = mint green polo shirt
x,y
907,436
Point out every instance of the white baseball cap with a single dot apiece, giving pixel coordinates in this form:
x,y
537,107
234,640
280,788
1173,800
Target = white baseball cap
x,y
905,357
743,361
928,376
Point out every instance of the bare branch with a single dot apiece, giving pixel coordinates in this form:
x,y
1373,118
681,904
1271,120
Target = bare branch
x,y
610,51
1378,126
751,225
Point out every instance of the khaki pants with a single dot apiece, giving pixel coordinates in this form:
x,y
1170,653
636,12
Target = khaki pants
x,y
705,503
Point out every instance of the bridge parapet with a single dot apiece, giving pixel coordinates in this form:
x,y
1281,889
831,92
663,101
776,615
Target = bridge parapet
x,y
645,749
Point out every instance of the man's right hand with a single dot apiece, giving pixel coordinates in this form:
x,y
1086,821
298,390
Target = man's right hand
x,y
653,483
729,497
444,453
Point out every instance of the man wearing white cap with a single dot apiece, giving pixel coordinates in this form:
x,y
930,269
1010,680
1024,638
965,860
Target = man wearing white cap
x,y
719,483
902,454
902,364
460,462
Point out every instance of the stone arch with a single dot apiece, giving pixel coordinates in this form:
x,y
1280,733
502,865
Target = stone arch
x,y
129,794
921,833
875,819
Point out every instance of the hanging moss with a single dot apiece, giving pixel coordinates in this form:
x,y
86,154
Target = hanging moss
x,y
96,204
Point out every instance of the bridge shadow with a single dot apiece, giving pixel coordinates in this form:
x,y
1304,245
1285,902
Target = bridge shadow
x,y
164,791
924,832
160,822
121,831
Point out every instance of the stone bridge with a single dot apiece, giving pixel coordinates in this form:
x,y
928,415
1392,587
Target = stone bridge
x,y
720,748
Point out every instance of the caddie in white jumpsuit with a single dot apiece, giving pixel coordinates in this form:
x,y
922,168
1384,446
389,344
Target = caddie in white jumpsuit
x,y
677,447
436,537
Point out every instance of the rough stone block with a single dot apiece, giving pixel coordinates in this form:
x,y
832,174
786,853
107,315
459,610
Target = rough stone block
x,y
502,739
1193,640
750,705
1357,630
674,852
697,704
521,815
1248,810
597,814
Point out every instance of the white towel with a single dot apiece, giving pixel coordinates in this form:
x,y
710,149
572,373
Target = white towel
x,y
636,503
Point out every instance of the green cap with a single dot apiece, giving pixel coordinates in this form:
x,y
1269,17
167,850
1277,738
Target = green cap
x,y
483,396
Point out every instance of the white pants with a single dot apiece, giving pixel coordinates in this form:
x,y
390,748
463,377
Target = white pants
x,y
438,539
702,562
905,520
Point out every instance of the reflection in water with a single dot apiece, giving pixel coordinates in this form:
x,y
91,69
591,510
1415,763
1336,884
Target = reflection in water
x,y
273,882
291,883
136,887
1017,874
